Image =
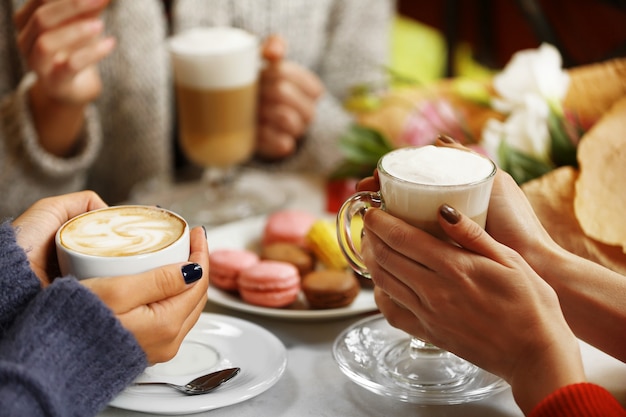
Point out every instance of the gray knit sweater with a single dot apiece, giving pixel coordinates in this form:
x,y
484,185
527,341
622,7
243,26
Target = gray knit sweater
x,y
127,140
62,352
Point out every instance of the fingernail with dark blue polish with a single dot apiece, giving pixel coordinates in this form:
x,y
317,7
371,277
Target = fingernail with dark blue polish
x,y
204,228
191,273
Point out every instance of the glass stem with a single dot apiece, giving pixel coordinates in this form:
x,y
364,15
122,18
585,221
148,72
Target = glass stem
x,y
417,345
218,177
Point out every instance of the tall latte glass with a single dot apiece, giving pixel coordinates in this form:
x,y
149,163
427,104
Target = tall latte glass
x,y
414,183
121,240
216,83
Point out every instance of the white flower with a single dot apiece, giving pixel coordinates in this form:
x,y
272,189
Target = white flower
x,y
535,72
525,130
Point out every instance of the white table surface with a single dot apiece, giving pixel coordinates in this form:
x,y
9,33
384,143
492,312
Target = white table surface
x,y
313,385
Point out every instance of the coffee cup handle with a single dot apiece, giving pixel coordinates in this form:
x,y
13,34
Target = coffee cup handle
x,y
355,205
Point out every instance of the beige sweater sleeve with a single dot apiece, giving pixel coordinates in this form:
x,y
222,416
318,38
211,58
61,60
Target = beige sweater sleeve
x,y
28,171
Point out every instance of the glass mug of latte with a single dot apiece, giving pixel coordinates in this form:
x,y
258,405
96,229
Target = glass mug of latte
x,y
215,79
414,183
121,240
216,72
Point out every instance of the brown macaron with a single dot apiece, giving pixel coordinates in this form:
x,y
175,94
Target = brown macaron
x,y
330,288
290,253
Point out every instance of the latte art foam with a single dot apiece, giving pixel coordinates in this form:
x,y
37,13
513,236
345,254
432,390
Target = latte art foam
x,y
124,231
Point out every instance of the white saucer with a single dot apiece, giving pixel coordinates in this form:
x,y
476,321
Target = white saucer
x,y
359,349
215,342
246,234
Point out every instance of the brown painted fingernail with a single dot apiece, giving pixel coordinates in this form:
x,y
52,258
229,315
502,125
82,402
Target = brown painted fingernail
x,y
446,139
449,214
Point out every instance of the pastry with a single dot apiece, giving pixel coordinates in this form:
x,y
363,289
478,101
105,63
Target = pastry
x,y
269,284
364,282
290,253
226,264
322,240
330,288
289,226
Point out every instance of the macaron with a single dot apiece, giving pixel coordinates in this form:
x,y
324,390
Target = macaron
x,y
269,284
330,288
290,253
322,241
289,226
226,265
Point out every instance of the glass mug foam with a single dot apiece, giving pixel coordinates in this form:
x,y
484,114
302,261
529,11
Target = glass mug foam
x,y
216,82
121,240
414,183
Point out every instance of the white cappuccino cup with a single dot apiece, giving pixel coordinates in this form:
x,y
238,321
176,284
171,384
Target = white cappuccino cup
x,y
121,240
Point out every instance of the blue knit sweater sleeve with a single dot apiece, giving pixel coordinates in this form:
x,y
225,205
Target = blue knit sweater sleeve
x,y
63,352
18,283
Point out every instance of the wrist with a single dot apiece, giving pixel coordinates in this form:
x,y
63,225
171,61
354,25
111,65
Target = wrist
x,y
546,371
547,259
58,123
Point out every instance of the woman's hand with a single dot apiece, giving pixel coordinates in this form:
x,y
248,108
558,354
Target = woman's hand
x,y
37,226
158,307
476,298
288,96
511,219
62,42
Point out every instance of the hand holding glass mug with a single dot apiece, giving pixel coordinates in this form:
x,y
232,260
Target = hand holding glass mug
x,y
414,183
288,97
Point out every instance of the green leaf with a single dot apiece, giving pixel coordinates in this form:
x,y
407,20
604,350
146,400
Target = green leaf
x,y
349,169
562,150
521,166
362,148
363,145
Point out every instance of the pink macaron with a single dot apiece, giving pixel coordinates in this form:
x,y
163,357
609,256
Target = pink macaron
x,y
226,264
290,226
269,284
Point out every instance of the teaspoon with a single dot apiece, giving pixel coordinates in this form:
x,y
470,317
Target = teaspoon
x,y
201,385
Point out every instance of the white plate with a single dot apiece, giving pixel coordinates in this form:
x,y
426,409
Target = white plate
x,y
246,234
215,342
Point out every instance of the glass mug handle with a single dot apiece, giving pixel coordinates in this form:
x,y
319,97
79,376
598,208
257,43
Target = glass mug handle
x,y
355,205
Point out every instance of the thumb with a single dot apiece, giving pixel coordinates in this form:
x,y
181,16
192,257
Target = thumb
x,y
466,233
126,292
274,48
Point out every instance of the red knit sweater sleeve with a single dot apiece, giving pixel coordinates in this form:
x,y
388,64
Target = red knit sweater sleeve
x,y
579,400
